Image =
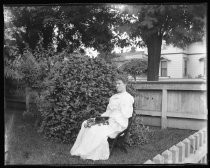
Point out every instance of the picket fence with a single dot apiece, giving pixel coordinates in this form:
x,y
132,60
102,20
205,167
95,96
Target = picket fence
x,y
192,150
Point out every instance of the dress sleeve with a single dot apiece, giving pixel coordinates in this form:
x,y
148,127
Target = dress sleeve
x,y
126,106
105,114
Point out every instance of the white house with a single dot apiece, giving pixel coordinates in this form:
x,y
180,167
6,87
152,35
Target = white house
x,y
175,63
183,63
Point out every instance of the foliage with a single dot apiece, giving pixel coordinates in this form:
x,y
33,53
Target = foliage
x,y
68,27
131,89
108,56
139,134
78,89
93,25
29,68
30,21
179,25
135,67
11,53
34,68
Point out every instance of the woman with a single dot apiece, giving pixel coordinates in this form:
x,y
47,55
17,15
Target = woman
x,y
91,142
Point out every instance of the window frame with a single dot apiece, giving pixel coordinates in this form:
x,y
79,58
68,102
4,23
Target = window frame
x,y
185,67
165,68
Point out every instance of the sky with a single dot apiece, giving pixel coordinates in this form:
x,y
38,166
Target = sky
x,y
93,53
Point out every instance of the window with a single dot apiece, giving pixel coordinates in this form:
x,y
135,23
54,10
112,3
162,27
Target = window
x,y
185,67
163,68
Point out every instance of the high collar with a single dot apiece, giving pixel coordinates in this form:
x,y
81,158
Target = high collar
x,y
122,92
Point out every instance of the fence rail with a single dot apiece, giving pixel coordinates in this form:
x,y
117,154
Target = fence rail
x,y
191,150
175,104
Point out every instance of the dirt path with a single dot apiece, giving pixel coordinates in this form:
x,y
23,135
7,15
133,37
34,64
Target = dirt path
x,y
8,129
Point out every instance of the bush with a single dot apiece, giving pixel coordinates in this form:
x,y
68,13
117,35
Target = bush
x,y
135,67
33,69
139,134
78,88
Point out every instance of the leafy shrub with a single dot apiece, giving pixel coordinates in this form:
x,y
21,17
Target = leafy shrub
x,y
131,89
139,134
33,115
33,69
33,66
78,88
29,68
135,67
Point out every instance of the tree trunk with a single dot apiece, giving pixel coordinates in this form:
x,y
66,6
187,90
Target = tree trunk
x,y
154,51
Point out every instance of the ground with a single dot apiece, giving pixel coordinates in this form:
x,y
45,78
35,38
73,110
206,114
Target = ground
x,y
26,146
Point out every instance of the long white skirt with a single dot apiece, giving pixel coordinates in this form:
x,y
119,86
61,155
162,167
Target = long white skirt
x,y
91,143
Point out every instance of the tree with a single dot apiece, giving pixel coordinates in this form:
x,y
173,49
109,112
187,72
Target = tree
x,y
11,53
135,67
67,27
179,25
77,88
34,26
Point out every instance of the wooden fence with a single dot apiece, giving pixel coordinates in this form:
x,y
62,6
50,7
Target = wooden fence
x,y
175,104
192,150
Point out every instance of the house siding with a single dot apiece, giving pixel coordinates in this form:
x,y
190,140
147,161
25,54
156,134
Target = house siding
x,y
195,54
195,67
174,65
192,53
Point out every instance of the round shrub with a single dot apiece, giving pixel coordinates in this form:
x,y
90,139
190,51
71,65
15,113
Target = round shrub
x,y
79,87
139,134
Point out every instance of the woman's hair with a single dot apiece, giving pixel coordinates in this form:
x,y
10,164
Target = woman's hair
x,y
122,77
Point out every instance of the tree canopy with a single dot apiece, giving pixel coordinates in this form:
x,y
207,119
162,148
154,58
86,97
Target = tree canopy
x,y
179,25
74,26
67,27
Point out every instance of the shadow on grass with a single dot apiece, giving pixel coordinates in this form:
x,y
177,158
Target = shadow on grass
x,y
29,147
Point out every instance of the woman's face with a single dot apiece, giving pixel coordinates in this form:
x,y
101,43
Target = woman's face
x,y
120,86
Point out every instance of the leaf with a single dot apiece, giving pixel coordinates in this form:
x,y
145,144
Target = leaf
x,y
149,22
79,98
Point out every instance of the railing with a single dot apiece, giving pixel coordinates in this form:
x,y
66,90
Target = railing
x,y
191,150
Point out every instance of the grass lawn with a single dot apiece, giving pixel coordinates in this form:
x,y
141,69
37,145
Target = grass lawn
x,y
28,147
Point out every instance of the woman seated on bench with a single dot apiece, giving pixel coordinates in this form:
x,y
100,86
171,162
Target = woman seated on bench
x,y
91,142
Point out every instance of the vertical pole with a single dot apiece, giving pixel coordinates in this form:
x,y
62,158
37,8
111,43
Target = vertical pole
x,y
164,109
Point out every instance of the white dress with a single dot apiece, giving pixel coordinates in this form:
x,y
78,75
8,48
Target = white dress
x,y
91,143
